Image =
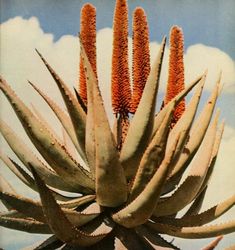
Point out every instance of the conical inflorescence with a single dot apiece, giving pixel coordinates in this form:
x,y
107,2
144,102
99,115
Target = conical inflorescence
x,y
175,82
128,189
88,38
141,56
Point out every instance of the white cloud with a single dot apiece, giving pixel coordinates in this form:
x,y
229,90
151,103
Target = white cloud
x,y
200,57
19,62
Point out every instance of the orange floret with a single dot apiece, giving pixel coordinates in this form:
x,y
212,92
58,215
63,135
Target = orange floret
x,y
176,71
88,38
121,91
141,56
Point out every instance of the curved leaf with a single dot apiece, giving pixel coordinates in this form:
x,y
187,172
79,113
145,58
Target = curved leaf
x,y
76,202
183,125
18,171
108,167
126,239
213,244
76,112
202,218
197,204
26,155
5,186
194,232
214,156
195,138
153,239
141,209
141,126
26,225
189,189
160,116
34,210
63,118
152,157
58,222
49,148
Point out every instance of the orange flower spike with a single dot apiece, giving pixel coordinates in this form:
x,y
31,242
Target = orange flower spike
x,y
88,38
176,71
121,91
141,56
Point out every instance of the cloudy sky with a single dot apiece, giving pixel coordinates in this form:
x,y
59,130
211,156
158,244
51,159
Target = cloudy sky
x,y
51,27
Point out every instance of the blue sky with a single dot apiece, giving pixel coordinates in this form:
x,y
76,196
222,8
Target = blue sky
x,y
52,25
210,22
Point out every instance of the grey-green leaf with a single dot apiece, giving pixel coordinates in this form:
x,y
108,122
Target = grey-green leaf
x,y
194,232
141,126
26,225
49,148
152,157
63,118
27,156
108,167
189,189
196,135
58,222
140,210
76,112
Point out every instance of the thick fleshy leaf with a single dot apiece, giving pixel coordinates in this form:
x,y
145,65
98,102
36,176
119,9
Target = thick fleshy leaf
x,y
202,218
26,225
194,232
63,118
46,124
183,125
213,244
141,208
34,210
126,239
77,202
160,116
76,112
195,138
62,140
197,204
28,180
120,129
90,145
108,167
99,226
56,218
13,214
18,171
25,206
93,208
189,189
214,156
50,149
153,239
79,98
5,186
68,144
26,155
141,126
152,157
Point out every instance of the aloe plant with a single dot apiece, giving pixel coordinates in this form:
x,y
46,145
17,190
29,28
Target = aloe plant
x,y
129,188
